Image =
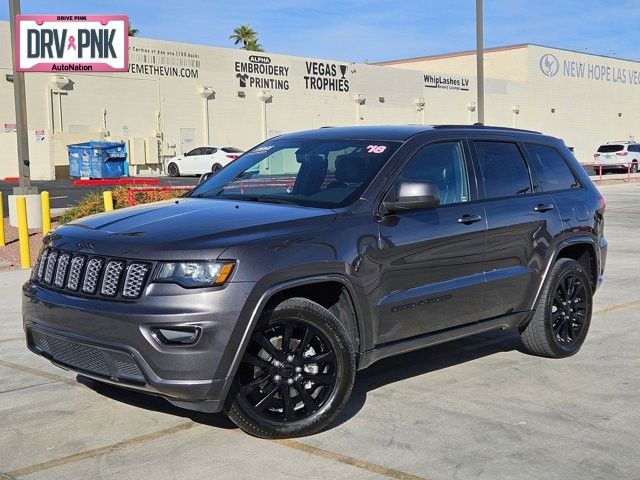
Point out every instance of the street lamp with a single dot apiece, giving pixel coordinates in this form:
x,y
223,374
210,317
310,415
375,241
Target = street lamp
x,y
206,93
420,104
515,109
471,106
359,99
265,97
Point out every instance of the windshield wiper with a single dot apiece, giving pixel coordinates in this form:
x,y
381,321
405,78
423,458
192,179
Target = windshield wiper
x,y
267,199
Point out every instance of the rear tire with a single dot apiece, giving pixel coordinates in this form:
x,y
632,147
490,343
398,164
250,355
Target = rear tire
x,y
562,317
216,168
296,374
173,170
634,167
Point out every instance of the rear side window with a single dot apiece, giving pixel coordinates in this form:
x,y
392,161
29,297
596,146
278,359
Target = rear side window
x,y
552,170
504,170
634,148
231,150
610,148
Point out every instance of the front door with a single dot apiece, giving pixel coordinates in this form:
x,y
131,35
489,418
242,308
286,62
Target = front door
x,y
432,261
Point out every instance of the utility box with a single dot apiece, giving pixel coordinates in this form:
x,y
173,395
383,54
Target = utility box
x,y
97,160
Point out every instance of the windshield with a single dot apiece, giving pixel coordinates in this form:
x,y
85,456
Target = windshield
x,y
313,173
610,148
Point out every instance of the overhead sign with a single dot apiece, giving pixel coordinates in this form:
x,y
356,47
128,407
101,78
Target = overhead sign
x,y
260,72
603,71
446,82
72,43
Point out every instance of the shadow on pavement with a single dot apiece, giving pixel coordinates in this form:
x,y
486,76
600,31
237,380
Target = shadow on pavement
x,y
384,372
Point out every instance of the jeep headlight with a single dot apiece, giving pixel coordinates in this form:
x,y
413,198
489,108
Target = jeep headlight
x,y
194,274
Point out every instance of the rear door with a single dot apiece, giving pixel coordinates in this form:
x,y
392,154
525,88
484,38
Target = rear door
x,y
206,160
432,261
520,226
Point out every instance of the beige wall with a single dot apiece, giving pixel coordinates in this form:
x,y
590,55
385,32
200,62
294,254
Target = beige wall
x,y
151,102
586,108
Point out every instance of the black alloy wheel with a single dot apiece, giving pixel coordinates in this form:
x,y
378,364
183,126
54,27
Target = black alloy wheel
x,y
569,309
216,168
296,373
561,319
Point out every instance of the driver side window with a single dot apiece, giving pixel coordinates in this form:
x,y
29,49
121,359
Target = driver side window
x,y
442,164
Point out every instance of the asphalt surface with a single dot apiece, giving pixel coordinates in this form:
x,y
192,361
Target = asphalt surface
x,y
476,408
64,194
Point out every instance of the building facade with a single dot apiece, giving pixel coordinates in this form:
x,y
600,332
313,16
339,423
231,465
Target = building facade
x,y
178,96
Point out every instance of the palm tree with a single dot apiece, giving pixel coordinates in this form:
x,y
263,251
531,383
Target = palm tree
x,y
133,31
254,46
247,36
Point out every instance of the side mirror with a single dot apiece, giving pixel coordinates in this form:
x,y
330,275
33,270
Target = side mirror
x,y
205,176
412,195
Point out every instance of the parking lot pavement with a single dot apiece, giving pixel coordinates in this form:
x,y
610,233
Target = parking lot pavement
x,y
475,408
64,194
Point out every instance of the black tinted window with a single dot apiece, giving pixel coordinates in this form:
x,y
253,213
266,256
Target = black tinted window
x,y
442,164
504,170
610,148
553,172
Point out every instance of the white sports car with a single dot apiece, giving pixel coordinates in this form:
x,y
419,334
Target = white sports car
x,y
201,160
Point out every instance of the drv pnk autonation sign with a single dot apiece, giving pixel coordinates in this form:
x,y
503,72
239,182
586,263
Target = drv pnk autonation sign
x,y
72,43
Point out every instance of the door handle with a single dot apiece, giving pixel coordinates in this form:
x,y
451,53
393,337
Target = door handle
x,y
469,219
543,207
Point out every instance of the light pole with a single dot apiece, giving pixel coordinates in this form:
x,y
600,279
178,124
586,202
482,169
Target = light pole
x,y
420,105
471,106
480,61
515,109
265,97
19,95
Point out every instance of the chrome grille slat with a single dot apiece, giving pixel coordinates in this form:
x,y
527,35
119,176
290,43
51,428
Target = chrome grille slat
x,y
112,273
134,280
42,263
74,272
92,275
61,270
51,264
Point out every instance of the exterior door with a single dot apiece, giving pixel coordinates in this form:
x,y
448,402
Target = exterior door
x,y
521,222
187,139
432,261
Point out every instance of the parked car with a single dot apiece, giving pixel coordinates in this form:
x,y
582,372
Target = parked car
x,y
618,156
316,254
201,160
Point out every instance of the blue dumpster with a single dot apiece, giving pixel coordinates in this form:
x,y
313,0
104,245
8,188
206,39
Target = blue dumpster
x,y
96,159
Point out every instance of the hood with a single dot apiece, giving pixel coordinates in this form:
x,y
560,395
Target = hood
x,y
187,228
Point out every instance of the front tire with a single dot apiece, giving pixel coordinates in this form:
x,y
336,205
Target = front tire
x,y
173,170
296,374
562,317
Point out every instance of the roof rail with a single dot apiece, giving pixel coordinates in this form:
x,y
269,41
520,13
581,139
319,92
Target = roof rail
x,y
487,127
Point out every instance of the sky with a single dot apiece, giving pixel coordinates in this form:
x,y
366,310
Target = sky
x,y
375,30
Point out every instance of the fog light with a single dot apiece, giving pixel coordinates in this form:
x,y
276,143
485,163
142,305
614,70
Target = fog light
x,y
176,335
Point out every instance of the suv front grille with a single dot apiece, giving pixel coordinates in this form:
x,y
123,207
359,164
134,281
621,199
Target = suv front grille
x,y
92,275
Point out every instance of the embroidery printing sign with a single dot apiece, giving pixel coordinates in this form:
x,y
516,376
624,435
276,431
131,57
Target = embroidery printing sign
x,y
72,43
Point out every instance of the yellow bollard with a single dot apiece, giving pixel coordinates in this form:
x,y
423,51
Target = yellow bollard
x,y
23,232
107,196
2,241
46,212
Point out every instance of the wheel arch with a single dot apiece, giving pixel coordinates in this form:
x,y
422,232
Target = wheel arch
x,y
581,249
295,288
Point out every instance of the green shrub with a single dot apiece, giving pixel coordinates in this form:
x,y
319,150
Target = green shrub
x,y
94,203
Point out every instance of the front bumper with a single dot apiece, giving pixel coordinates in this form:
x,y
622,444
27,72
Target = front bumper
x,y
111,341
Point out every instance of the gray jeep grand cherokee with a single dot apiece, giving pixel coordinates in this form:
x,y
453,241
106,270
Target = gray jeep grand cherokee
x,y
316,254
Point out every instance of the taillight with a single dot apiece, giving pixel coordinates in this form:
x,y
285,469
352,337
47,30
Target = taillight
x,y
233,157
602,204
621,154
